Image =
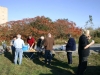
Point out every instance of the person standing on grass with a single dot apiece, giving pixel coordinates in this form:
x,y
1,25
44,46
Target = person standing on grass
x,y
13,48
48,45
83,51
70,47
40,46
18,44
31,42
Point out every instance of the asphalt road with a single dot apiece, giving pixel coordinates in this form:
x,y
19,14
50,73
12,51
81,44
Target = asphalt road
x,y
93,49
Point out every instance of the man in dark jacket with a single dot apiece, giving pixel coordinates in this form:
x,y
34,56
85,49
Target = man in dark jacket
x,y
39,46
70,47
83,51
13,48
48,45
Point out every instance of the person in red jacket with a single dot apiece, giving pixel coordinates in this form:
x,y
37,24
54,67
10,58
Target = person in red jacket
x,y
31,42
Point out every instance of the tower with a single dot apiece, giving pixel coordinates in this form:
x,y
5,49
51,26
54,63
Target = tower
x,y
3,15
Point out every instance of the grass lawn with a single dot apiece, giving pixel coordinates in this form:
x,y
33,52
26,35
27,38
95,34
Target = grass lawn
x,y
37,67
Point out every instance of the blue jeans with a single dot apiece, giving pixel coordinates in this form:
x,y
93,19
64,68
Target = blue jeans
x,y
48,56
18,52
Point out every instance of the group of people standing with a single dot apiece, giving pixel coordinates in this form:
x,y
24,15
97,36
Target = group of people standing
x,y
48,42
42,43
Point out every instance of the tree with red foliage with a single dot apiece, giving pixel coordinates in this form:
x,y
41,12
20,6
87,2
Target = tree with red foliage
x,y
38,26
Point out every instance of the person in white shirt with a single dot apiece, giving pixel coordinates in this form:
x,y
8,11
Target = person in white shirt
x,y
18,44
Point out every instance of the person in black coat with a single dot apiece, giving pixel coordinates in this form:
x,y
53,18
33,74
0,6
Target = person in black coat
x,y
83,51
13,48
40,46
70,47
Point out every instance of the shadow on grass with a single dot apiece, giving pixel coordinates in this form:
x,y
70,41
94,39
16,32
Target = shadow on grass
x,y
57,67
92,70
57,71
30,55
8,55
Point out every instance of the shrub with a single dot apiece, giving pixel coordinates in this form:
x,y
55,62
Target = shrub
x,y
97,40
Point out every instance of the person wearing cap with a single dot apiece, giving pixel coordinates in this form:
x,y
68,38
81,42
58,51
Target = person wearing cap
x,y
70,47
40,46
18,44
83,51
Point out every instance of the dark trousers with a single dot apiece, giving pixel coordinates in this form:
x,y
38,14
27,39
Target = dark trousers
x,y
13,53
69,57
31,55
40,54
48,56
82,65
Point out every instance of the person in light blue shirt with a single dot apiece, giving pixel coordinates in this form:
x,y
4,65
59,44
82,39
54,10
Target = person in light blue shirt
x,y
18,44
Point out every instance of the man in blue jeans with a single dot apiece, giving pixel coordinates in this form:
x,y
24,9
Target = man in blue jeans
x,y
48,45
18,44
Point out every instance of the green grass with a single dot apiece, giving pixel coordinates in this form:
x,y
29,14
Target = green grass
x,y
37,67
62,41
97,40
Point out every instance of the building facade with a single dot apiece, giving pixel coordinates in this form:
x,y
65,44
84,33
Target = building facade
x,y
3,15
